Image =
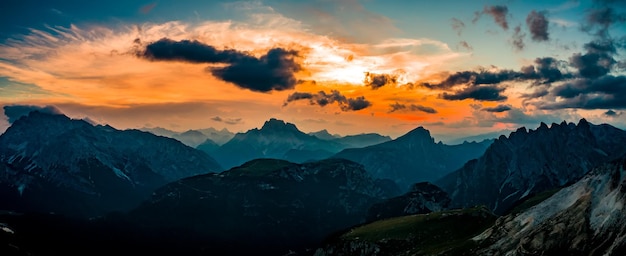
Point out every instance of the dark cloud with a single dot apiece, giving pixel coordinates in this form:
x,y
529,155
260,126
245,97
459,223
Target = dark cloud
x,y
607,92
457,25
272,71
166,49
498,12
546,70
322,99
379,80
226,120
536,94
611,113
517,40
474,78
466,45
412,107
480,93
14,112
538,26
602,17
597,61
498,109
354,104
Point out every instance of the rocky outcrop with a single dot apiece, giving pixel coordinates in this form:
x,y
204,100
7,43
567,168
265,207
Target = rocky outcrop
x,y
422,198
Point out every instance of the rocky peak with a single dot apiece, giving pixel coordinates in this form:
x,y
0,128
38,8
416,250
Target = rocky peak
x,y
276,125
419,134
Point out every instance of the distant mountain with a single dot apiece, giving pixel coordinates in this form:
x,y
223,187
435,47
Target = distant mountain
x,y
276,139
478,138
218,136
194,138
352,141
208,146
423,197
267,206
362,140
528,162
413,157
51,163
325,135
586,218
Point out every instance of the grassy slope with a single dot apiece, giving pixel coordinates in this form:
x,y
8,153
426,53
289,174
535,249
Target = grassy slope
x,y
441,233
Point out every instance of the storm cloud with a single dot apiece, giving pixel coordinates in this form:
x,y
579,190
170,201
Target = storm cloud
x,y
14,112
607,92
498,109
479,93
272,71
412,107
323,98
538,26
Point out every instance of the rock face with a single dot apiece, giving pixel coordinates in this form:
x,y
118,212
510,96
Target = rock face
x,y
528,162
586,218
422,198
413,157
276,139
269,205
50,163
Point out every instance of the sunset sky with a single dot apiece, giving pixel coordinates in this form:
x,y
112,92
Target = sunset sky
x,y
455,67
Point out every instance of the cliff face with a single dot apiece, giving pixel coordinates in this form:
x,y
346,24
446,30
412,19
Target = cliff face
x,y
585,218
528,162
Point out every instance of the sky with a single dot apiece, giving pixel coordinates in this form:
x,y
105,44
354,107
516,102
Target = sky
x,y
457,68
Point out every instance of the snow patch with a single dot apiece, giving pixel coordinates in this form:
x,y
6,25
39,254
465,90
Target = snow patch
x,y
120,174
6,229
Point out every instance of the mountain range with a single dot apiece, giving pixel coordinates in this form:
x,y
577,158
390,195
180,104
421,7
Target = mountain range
x,y
531,161
51,163
194,138
414,157
553,190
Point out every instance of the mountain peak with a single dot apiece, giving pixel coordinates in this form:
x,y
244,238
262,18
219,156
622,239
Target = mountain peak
x,y
278,125
417,133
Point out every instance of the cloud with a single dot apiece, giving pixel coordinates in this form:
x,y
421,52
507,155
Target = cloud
x,y
466,45
611,113
322,99
545,70
597,61
354,104
376,81
602,17
457,25
412,107
607,92
538,26
147,8
498,109
480,93
14,112
498,12
227,120
272,71
517,40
